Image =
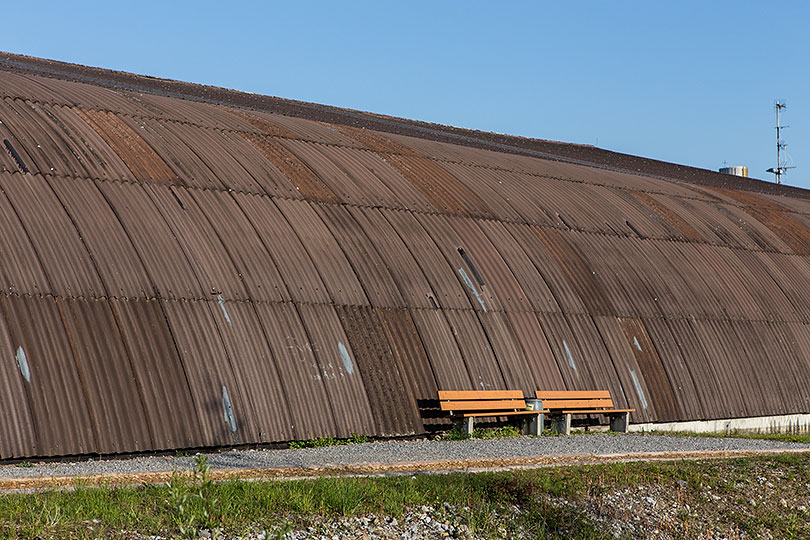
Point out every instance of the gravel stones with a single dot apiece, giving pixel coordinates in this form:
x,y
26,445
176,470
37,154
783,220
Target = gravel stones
x,y
454,453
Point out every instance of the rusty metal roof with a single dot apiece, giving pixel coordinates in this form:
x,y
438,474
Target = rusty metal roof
x,y
188,272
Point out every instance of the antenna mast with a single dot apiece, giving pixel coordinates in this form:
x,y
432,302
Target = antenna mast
x,y
781,164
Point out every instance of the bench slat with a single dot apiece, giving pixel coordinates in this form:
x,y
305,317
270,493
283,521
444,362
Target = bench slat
x,y
577,403
480,394
504,413
572,394
482,405
595,411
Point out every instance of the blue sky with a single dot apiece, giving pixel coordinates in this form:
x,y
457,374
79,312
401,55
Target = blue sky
x,y
691,82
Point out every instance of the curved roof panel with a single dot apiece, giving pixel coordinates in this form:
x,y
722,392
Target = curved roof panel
x,y
231,269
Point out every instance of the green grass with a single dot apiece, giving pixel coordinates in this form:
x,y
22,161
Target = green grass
x,y
487,500
320,442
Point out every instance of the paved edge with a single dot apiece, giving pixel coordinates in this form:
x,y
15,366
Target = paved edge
x,y
378,469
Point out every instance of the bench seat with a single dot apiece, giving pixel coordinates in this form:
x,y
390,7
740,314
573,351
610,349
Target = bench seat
x,y
562,404
469,404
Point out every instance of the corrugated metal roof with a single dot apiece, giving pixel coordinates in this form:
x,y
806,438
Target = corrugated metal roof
x,y
225,276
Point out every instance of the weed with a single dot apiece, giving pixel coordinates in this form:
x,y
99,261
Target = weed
x,y
320,442
25,464
457,433
192,499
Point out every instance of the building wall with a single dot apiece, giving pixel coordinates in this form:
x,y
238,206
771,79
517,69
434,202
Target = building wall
x,y
177,274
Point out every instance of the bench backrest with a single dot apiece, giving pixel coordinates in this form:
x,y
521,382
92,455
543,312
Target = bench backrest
x,y
575,399
481,400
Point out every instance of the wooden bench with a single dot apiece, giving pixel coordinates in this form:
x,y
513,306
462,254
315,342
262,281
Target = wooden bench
x,y
469,404
562,404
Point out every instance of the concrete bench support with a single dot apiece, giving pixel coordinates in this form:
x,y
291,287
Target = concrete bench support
x,y
561,423
619,422
533,424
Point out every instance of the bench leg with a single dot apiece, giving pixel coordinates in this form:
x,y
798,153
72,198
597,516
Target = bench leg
x,y
533,424
468,425
561,423
619,422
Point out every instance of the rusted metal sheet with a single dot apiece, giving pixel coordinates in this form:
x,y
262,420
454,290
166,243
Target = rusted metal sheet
x,y
392,189
530,279
105,369
662,382
481,181
157,247
725,355
69,267
335,168
573,364
281,241
404,269
203,247
141,159
17,422
687,397
51,150
529,335
106,240
442,350
409,353
580,276
208,368
767,356
775,304
310,412
718,400
682,228
509,354
625,383
159,374
796,336
484,369
20,86
55,389
488,281
304,179
338,365
255,370
751,364
564,292
788,273
255,266
393,407
442,278
370,268
21,270
190,168
327,255
691,294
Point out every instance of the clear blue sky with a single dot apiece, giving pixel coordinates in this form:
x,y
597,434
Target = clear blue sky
x,y
692,82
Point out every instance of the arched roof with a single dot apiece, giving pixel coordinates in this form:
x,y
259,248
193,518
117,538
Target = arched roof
x,y
180,273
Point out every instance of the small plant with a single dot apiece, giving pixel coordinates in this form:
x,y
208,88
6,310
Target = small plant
x,y
320,442
191,500
497,433
458,433
25,464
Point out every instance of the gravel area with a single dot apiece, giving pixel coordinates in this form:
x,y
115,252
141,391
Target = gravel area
x,y
393,452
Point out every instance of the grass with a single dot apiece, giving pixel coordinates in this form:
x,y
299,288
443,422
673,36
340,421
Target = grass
x,y
320,442
487,501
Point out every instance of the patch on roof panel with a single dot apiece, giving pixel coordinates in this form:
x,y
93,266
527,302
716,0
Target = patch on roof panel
x,y
471,285
22,362
569,356
224,311
639,391
636,343
344,356
228,409
472,267
15,155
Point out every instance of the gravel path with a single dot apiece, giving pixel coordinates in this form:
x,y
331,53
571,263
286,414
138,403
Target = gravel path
x,y
455,453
